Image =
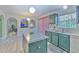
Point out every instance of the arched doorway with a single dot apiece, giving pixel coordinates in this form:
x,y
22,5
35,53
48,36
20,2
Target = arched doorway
x,y
12,26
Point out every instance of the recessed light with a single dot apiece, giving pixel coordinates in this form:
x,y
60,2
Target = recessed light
x,y
32,10
65,7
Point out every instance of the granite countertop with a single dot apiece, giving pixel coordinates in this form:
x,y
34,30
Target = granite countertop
x,y
37,37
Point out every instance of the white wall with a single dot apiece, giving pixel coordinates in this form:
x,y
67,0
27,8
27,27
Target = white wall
x,y
74,44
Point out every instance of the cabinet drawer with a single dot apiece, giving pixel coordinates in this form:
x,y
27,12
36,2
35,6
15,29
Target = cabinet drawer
x,y
38,47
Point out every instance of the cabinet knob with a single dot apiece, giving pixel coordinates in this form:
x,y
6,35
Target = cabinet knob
x,y
39,47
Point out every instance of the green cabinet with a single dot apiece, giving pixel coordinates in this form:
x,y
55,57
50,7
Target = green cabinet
x,y
49,34
54,38
64,42
53,19
77,12
38,47
60,40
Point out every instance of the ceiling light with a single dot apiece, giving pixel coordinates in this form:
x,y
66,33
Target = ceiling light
x,y
65,7
32,10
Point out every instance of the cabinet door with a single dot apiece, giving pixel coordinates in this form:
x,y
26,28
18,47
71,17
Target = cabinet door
x,y
53,19
38,47
64,42
49,34
77,12
55,38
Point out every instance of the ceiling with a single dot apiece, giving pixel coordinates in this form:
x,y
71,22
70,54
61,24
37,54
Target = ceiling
x,y
40,9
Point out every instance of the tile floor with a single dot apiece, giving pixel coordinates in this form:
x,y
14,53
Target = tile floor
x,y
13,45
53,49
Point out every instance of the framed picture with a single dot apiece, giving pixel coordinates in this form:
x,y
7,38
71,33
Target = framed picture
x,y
24,23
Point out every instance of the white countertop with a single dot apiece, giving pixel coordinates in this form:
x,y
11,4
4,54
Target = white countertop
x,y
37,37
73,34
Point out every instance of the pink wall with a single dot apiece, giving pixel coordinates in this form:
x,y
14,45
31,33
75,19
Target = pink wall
x,y
43,24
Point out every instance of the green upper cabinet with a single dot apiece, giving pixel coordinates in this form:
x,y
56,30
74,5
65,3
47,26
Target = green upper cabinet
x,y
64,42
53,19
0,26
77,12
49,34
55,38
38,47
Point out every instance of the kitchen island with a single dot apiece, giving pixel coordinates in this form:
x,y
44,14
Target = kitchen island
x,y
37,43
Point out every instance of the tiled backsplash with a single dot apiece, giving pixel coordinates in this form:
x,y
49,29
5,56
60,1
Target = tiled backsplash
x,y
69,30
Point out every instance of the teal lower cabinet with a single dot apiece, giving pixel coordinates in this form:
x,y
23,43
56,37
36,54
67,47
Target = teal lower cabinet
x,y
58,39
64,42
38,47
55,38
49,34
